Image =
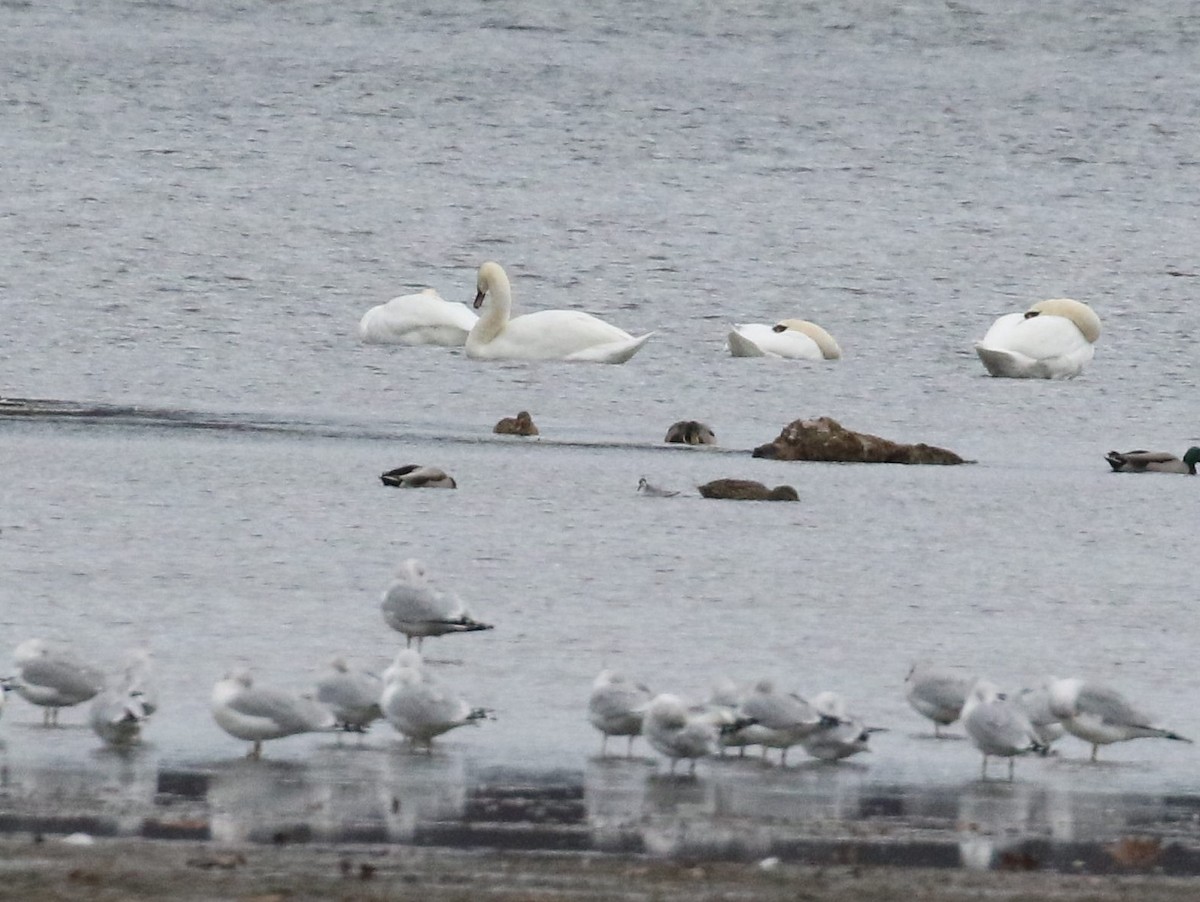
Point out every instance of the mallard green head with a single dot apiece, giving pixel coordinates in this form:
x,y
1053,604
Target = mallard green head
x,y
1192,457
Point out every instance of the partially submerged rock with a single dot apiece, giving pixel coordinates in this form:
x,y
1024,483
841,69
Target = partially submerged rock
x,y
828,440
747,490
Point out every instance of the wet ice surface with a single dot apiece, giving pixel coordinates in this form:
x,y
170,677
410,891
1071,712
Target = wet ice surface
x,y
269,544
203,202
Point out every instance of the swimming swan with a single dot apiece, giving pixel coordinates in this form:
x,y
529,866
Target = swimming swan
x,y
543,335
425,318
795,339
1051,340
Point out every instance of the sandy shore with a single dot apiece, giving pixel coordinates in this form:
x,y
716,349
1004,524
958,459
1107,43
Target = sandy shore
x,y
53,869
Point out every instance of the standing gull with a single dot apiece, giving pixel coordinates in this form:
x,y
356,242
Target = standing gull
x,y
117,714
676,731
414,607
419,706
1100,715
616,707
997,726
780,720
842,735
53,678
936,694
247,712
351,694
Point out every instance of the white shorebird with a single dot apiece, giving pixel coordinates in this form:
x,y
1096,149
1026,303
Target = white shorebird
x,y
677,731
616,707
649,490
419,706
936,694
1100,715
414,607
351,694
245,711
778,720
117,714
53,678
842,735
1036,705
997,726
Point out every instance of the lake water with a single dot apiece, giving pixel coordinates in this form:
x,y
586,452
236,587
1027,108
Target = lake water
x,y
201,200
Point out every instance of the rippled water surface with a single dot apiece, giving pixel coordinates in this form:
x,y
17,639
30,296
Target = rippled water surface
x,y
202,199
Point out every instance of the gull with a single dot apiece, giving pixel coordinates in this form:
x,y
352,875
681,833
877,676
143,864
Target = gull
x,y
997,726
616,707
247,712
842,736
414,607
780,720
1100,715
645,487
724,699
53,678
117,714
419,706
676,731
352,696
7,685
936,694
1036,705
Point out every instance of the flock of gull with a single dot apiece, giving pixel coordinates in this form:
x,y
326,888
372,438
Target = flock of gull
x,y
411,697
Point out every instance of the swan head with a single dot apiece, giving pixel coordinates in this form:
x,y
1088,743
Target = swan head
x,y
1083,316
830,349
491,276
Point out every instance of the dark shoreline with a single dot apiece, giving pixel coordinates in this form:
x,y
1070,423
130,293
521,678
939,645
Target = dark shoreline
x,y
183,871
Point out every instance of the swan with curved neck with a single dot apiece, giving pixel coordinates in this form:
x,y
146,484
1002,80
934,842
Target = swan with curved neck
x,y
1051,340
794,339
425,318
543,335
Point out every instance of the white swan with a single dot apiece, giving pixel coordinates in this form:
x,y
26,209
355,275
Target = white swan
x,y
543,335
795,339
1051,340
425,318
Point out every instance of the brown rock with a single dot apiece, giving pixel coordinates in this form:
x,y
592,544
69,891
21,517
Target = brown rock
x,y
826,439
747,490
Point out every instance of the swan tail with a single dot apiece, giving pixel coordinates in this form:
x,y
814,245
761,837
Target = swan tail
x,y
610,352
740,346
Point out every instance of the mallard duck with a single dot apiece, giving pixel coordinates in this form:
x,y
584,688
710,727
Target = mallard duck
x,y
747,490
521,424
415,476
1153,461
690,432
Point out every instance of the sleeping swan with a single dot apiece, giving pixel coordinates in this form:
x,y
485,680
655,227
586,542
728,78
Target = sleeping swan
x,y
417,319
543,335
1052,340
795,339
